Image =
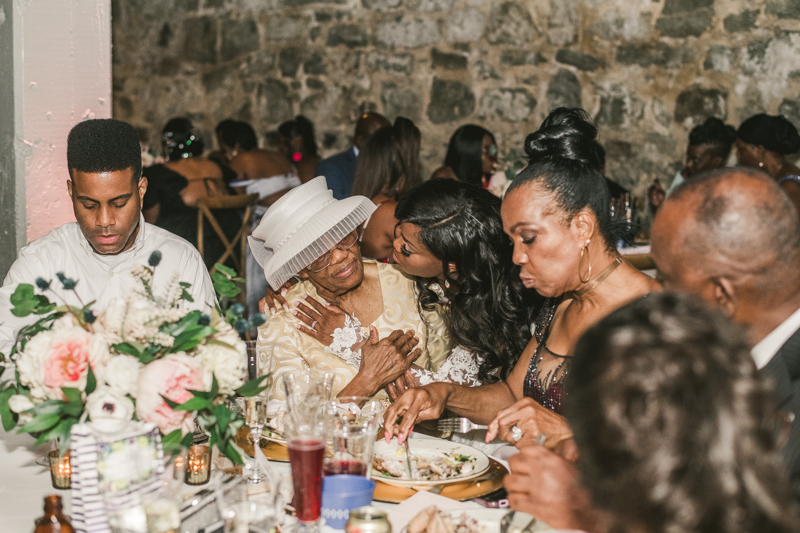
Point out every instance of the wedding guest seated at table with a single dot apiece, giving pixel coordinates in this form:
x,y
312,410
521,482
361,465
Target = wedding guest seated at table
x,y
556,213
709,147
310,235
732,237
110,236
676,431
298,144
224,130
174,188
340,169
471,156
387,168
763,142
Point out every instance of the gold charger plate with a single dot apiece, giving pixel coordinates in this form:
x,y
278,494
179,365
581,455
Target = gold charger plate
x,y
272,450
490,481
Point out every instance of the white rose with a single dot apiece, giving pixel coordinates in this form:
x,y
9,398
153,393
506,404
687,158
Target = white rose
x,y
229,367
30,364
121,374
19,403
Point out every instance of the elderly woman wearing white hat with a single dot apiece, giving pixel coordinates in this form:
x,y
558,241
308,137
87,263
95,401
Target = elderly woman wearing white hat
x,y
310,235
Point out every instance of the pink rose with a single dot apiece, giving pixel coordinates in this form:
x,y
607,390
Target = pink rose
x,y
68,363
170,377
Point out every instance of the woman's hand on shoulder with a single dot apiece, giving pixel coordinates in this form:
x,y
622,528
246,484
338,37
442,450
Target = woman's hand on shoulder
x,y
533,420
318,321
272,299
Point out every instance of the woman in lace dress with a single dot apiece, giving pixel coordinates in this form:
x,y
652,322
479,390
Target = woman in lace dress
x,y
557,215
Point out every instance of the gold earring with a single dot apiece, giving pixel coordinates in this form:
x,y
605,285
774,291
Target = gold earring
x,y
585,252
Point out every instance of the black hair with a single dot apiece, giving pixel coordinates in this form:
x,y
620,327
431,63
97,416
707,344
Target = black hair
x,y
181,140
301,127
488,314
104,145
238,133
676,429
465,153
775,133
225,128
389,161
716,133
564,159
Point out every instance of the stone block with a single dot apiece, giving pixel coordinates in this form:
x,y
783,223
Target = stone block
x,y
447,61
406,32
400,101
223,77
314,83
315,64
510,105
450,101
646,55
382,5
510,23
616,149
676,7
285,27
791,110
259,65
430,5
618,106
238,37
300,3
784,9
562,25
579,60
719,58
213,4
690,24
623,25
200,39
273,101
391,63
350,35
289,60
165,36
463,26
517,57
564,90
697,103
485,71
744,21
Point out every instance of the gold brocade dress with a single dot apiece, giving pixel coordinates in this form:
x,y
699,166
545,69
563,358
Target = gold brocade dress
x,y
282,347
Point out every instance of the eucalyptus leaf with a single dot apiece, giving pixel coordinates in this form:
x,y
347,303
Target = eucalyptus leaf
x,y
41,423
91,381
8,417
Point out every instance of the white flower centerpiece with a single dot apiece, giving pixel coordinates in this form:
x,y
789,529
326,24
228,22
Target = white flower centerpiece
x,y
145,357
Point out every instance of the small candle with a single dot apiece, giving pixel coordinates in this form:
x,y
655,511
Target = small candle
x,y
60,470
198,465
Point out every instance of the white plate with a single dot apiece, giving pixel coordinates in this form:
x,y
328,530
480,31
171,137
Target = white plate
x,y
268,434
489,520
432,447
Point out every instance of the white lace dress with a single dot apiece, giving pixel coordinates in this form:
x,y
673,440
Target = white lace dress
x,y
460,367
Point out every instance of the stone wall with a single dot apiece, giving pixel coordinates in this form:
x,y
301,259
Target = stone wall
x,y
646,70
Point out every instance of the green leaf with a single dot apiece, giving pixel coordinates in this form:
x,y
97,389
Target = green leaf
x,y
223,415
172,437
201,394
65,433
40,423
230,452
186,441
72,395
253,387
49,407
214,386
91,381
195,404
215,342
73,409
184,284
8,417
126,348
186,296
228,271
51,434
215,437
171,404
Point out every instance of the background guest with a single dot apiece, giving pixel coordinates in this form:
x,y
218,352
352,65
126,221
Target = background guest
x,y
387,168
175,187
471,156
298,144
732,237
709,147
226,129
763,142
340,169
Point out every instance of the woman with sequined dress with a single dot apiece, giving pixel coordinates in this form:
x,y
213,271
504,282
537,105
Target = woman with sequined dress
x,y
557,215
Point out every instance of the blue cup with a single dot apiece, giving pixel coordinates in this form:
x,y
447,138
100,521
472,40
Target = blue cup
x,y
343,493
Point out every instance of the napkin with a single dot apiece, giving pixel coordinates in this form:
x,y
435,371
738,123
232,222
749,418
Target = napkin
x,y
401,515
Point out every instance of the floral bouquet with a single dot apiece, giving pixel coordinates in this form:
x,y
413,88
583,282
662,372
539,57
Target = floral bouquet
x,y
145,357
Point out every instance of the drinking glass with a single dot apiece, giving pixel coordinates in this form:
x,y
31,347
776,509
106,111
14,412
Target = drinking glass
x,y
249,517
252,360
255,414
354,428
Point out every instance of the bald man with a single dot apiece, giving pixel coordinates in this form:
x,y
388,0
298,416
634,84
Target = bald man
x,y
732,237
340,169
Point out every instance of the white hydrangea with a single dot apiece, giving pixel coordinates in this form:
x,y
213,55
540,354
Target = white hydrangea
x,y
137,318
121,374
228,365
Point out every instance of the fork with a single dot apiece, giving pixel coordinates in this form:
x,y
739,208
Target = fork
x,y
458,425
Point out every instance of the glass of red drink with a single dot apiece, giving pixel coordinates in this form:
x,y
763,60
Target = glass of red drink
x,y
354,427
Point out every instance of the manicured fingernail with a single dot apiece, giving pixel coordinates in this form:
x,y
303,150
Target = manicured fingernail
x,y
296,302
272,310
286,307
284,291
294,312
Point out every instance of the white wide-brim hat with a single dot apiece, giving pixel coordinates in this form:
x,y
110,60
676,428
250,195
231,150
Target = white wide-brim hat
x,y
302,226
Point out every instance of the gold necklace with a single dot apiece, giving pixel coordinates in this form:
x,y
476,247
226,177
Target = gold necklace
x,y
599,279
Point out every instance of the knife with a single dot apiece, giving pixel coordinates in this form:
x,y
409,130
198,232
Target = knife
x,y
408,460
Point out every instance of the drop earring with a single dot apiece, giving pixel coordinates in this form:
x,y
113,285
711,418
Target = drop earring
x,y
446,284
760,164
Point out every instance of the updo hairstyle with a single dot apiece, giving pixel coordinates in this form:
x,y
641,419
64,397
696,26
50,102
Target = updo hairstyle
x,y
180,140
715,133
567,161
775,133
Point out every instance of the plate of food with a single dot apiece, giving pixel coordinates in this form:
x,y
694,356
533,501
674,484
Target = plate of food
x,y
273,431
433,462
434,520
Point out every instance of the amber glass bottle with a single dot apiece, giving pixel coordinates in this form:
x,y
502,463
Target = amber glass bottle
x,y
53,520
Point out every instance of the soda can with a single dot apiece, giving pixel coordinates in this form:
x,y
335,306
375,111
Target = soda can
x,y
368,520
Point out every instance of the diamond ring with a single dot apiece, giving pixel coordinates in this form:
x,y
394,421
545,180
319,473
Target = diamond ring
x,y
516,433
314,325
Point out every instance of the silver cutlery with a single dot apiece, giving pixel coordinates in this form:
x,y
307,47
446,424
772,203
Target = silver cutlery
x,y
458,425
505,523
408,459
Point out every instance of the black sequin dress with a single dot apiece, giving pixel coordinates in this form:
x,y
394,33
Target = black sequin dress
x,y
548,390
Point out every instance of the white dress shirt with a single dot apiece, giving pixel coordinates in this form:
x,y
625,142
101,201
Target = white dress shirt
x,y
764,351
101,278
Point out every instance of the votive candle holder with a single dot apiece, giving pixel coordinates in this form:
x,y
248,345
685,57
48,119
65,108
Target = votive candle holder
x,y
198,464
60,470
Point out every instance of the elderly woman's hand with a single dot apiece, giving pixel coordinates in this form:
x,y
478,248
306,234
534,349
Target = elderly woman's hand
x,y
400,385
320,320
385,360
532,420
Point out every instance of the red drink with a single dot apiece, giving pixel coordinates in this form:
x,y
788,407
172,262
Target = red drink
x,y
356,468
305,456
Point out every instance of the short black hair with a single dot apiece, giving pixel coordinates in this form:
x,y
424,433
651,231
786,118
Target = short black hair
x,y
104,145
716,133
